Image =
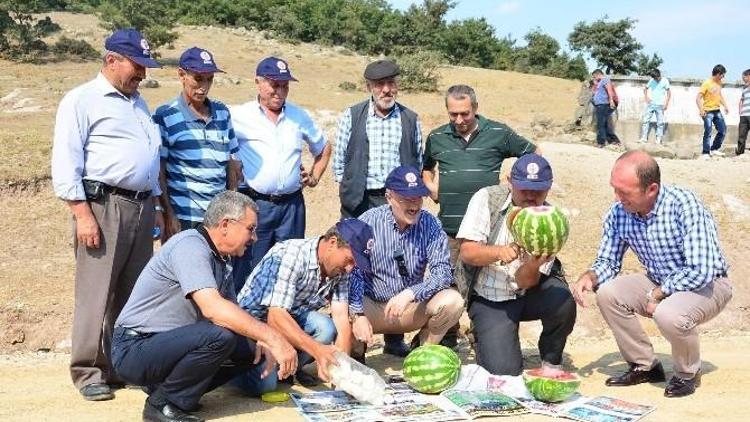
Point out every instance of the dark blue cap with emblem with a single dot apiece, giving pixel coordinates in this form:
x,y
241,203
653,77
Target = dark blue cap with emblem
x,y
198,60
131,44
360,238
274,68
406,181
531,172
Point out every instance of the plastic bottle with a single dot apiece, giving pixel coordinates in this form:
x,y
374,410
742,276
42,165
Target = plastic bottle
x,y
360,381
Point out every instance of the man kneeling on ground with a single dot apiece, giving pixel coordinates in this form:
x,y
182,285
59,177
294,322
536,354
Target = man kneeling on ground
x,y
295,280
182,326
512,285
398,296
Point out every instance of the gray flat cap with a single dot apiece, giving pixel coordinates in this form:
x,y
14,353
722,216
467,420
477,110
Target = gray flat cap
x,y
381,69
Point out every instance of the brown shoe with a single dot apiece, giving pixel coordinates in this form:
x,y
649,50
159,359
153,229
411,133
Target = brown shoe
x,y
635,376
678,387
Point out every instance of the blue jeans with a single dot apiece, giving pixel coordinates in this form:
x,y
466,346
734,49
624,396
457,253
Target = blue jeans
x,y
320,327
651,110
714,118
277,221
604,132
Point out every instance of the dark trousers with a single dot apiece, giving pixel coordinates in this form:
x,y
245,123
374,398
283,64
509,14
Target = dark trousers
x,y
277,221
105,276
743,128
604,131
371,199
181,365
496,325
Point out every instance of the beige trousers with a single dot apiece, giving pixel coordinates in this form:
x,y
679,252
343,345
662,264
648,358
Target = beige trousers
x,y
677,317
433,317
104,279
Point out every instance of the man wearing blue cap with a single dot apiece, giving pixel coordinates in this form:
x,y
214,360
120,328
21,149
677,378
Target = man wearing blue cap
x,y
294,281
198,145
105,166
512,285
409,286
272,132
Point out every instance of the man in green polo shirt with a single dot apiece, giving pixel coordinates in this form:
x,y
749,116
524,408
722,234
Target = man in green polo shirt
x,y
462,157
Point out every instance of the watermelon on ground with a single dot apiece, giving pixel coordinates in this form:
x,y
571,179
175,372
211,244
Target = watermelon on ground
x,y
432,368
551,389
539,230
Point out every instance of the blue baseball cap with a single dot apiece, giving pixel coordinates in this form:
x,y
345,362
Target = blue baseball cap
x,y
198,60
274,68
131,44
406,181
360,238
531,172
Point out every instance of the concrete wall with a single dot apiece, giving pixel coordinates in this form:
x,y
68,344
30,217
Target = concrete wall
x,y
684,124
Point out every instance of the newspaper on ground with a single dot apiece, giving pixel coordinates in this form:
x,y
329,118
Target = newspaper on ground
x,y
477,404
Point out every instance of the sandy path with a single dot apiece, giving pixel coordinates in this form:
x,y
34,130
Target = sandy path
x,y
37,388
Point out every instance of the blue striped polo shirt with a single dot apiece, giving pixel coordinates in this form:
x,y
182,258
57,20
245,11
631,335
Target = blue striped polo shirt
x,y
195,154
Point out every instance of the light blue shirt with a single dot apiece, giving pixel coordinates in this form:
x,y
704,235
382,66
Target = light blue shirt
x,y
103,135
600,94
271,153
657,91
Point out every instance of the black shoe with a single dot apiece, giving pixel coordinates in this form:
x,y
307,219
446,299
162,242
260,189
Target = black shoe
x,y
415,342
306,380
450,340
678,387
394,345
167,413
97,392
635,376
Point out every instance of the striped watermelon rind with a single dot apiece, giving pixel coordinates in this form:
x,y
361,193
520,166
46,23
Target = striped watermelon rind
x,y
551,390
539,230
432,368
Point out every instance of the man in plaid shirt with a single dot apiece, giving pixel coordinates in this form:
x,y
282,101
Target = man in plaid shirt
x,y
298,277
674,237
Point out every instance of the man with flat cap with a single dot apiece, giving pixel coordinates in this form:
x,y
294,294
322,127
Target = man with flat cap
x,y
198,145
105,166
373,138
271,132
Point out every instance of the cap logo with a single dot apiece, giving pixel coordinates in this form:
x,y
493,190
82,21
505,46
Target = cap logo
x,y
370,244
145,47
532,171
411,179
206,57
281,65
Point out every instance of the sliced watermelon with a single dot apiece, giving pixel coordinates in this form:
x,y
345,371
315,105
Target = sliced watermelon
x,y
551,389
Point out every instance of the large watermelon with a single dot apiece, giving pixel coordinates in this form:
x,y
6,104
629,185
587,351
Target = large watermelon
x,y
432,368
550,389
540,230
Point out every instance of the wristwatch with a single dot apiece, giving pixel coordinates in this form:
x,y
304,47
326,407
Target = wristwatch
x,y
650,296
353,316
158,208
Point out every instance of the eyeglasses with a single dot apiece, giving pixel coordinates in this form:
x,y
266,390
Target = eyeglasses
x,y
406,200
398,255
251,230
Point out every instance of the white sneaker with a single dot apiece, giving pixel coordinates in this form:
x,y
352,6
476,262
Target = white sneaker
x,y
643,140
706,157
658,141
718,153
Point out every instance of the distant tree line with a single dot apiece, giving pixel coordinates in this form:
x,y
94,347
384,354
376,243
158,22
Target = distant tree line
x,y
374,27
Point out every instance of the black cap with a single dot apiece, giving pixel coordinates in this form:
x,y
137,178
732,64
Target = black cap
x,y
381,69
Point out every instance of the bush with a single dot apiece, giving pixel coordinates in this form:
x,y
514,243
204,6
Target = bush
x,y
348,86
419,70
67,48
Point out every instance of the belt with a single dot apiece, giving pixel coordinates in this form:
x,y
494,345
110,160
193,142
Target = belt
x,y
129,332
270,198
376,192
95,189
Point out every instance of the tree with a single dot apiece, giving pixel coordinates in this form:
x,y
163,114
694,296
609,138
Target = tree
x,y
647,64
154,18
610,44
470,42
541,49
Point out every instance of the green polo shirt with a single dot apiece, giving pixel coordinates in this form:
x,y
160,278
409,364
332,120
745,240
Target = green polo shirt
x,y
465,167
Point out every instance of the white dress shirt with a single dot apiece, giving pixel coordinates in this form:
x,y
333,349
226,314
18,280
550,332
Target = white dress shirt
x,y
103,135
271,153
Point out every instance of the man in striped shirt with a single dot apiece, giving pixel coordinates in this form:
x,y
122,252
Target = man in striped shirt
x,y
198,145
744,109
674,237
409,286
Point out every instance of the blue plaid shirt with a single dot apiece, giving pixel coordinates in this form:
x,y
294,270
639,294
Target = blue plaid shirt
x,y
424,245
196,154
384,135
677,242
289,277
